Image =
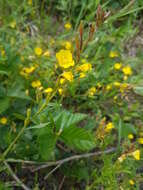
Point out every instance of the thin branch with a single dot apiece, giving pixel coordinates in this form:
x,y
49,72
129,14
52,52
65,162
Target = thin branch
x,y
62,182
52,171
15,177
75,157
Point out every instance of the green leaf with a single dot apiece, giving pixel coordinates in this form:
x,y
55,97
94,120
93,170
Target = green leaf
x,y
4,104
46,144
65,119
138,90
78,138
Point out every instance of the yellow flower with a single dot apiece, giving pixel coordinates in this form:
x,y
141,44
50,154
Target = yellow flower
x,y
130,136
67,26
28,70
38,51
62,80
109,87
48,90
47,53
92,91
113,54
29,2
109,126
60,90
82,75
117,84
68,45
36,84
27,92
13,24
125,77
140,140
117,66
123,87
68,76
136,154
127,70
84,67
3,120
131,182
65,58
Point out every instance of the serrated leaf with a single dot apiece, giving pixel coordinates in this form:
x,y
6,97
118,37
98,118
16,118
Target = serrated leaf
x,y
66,119
46,144
78,138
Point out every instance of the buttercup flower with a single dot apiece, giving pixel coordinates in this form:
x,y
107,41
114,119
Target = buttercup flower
x,y
140,140
48,90
136,154
36,84
92,91
47,53
68,45
65,58
113,54
122,158
117,66
60,90
38,51
130,136
68,76
109,126
62,80
109,87
68,26
82,75
3,120
127,70
84,67
131,182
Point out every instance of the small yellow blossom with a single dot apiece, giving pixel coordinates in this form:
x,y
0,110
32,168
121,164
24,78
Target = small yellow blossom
x,y
65,58
47,53
36,84
28,70
92,91
84,67
130,136
131,182
109,126
27,92
29,2
48,90
117,66
67,26
140,140
62,80
113,54
82,75
68,76
117,84
13,24
60,90
38,51
109,87
136,154
68,45
3,120
125,77
123,87
127,70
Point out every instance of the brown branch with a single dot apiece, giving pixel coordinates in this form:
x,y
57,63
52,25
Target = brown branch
x,y
75,157
15,177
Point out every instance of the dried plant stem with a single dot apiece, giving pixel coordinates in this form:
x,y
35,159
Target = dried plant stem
x,y
15,177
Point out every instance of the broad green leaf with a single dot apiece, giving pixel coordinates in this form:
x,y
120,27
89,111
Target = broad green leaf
x,y
46,144
78,138
66,119
4,104
138,90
